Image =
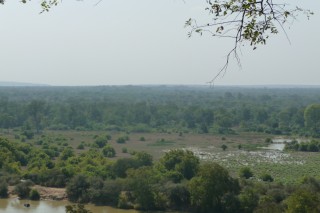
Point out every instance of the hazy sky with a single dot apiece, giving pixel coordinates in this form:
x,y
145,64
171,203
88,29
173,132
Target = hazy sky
x,y
144,42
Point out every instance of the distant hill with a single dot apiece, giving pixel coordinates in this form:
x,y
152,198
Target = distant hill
x,y
20,84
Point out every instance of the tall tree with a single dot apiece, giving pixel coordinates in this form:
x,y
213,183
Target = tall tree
x,y
210,188
182,161
312,118
36,110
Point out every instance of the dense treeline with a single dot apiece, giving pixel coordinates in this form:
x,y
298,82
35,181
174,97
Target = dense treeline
x,y
177,181
162,108
311,146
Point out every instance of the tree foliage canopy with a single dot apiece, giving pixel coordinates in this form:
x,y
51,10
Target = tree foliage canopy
x,y
209,188
312,117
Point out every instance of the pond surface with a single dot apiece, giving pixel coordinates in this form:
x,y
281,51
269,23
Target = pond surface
x,y
16,206
275,146
279,143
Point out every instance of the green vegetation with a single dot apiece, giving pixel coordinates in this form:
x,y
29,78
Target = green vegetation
x,y
79,208
312,146
245,172
158,109
3,189
224,147
122,139
23,189
266,177
312,118
100,157
212,189
108,151
161,142
34,195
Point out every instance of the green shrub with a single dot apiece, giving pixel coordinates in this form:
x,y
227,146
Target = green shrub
x,y
80,146
268,140
142,139
28,134
224,147
108,151
101,141
23,189
34,195
245,172
79,208
3,189
267,178
121,140
77,189
108,137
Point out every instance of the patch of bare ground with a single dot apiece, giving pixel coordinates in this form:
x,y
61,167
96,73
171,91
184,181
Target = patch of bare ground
x,y
46,193
49,193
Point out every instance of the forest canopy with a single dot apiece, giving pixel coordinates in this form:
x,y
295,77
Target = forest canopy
x,y
42,150
147,109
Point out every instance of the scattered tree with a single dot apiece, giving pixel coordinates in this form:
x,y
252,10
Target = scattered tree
x,y
267,178
182,161
224,147
245,173
109,151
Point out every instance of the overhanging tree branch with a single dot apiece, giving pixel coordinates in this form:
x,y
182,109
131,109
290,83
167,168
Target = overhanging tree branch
x,y
246,22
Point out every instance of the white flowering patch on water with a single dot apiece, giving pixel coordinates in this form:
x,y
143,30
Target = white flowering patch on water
x,y
245,158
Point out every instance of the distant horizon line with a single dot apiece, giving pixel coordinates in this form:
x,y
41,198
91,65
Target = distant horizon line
x,y
27,84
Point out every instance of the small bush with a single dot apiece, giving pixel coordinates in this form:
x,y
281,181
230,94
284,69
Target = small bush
x,y
268,140
142,139
245,173
34,195
108,151
28,134
23,189
121,140
224,147
101,141
124,150
77,208
80,146
267,178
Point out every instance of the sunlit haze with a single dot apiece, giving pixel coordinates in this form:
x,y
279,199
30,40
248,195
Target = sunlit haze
x,y
144,42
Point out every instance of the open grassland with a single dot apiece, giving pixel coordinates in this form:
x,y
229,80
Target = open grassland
x,y
242,150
